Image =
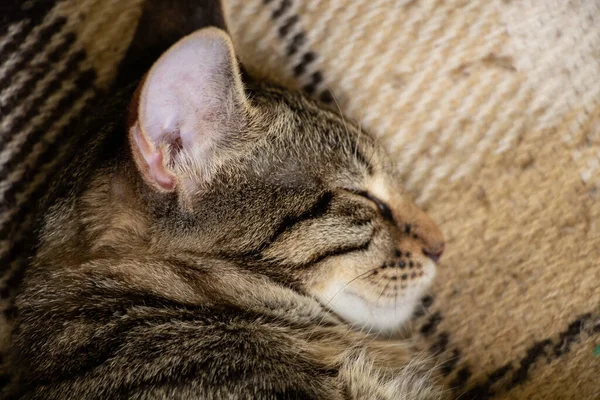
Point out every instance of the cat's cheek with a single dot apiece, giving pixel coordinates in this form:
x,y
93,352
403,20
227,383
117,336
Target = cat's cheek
x,y
380,302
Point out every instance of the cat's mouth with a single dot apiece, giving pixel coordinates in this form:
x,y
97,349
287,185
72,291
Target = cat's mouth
x,y
381,300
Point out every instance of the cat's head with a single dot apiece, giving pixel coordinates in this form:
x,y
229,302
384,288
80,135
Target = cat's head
x,y
282,187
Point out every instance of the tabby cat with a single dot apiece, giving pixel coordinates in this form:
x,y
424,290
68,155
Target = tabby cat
x,y
221,238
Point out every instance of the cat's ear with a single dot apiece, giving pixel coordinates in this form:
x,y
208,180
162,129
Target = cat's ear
x,y
188,110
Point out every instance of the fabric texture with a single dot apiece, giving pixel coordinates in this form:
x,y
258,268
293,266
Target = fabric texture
x,y
491,109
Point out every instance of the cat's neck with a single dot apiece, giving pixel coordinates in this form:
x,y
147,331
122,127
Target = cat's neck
x,y
102,214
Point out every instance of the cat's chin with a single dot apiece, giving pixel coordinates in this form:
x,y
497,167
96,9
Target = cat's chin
x,y
379,316
375,319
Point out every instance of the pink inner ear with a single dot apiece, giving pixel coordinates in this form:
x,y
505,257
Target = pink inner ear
x,y
186,106
164,178
188,92
155,169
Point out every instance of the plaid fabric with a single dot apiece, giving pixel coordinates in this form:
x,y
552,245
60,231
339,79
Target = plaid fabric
x,y
490,107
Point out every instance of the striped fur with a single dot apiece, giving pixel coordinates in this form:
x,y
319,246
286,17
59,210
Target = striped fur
x,y
236,283
509,155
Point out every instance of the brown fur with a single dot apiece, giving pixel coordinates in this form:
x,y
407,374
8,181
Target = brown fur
x,y
213,290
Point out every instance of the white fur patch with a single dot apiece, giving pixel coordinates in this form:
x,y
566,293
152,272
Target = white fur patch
x,y
368,310
378,188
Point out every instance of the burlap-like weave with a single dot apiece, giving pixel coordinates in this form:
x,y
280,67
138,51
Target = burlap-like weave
x,y
490,107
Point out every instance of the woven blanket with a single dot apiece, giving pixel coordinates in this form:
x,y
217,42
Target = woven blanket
x,y
491,109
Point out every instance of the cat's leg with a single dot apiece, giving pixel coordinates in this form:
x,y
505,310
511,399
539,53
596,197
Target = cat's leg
x,y
364,380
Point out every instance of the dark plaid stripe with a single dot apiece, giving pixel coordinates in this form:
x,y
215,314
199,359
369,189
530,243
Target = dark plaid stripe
x,y
15,234
46,33
287,24
38,73
82,82
21,222
295,43
14,41
13,262
431,324
516,372
33,11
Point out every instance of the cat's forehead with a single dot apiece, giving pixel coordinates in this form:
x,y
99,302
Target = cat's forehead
x,y
298,144
300,125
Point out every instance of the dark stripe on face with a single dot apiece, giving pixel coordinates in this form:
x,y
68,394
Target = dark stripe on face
x,y
317,210
383,208
338,251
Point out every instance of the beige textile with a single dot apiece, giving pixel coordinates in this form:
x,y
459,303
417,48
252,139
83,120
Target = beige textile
x,y
491,109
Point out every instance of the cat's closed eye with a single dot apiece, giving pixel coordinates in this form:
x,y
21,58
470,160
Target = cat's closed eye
x,y
381,205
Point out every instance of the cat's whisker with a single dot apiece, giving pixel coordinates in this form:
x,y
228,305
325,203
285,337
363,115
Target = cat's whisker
x,y
383,291
341,114
346,285
351,329
396,294
337,293
356,137
368,336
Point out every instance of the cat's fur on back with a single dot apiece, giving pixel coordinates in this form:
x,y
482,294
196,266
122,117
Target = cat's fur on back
x,y
223,239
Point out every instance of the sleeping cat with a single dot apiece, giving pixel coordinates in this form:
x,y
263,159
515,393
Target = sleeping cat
x,y
222,238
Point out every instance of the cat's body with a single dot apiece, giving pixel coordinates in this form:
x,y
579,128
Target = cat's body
x,y
231,267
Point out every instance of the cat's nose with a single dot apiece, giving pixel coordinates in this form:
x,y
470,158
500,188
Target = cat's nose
x,y
416,228
431,238
435,252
